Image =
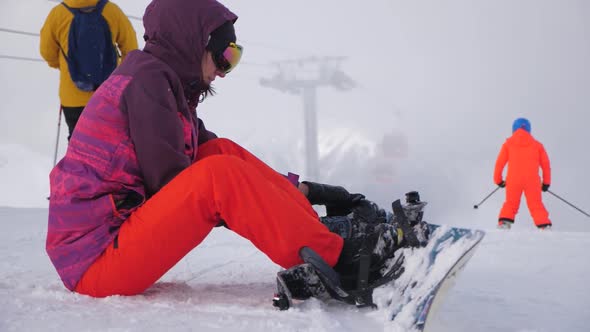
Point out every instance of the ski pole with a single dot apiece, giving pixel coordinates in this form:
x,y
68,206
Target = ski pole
x,y
488,196
568,203
57,137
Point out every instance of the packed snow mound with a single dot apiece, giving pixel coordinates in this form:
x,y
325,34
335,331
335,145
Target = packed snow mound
x,y
517,280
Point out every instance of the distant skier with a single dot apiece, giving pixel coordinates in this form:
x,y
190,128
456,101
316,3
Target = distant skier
x,y
143,181
524,156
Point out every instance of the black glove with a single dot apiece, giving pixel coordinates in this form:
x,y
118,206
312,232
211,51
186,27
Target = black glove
x,y
502,184
338,201
368,212
545,187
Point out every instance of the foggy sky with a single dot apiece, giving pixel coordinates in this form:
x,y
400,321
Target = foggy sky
x,y
449,76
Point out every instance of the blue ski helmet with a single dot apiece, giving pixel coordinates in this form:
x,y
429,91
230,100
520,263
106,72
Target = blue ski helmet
x,y
521,123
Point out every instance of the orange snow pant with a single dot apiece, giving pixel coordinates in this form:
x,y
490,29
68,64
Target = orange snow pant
x,y
532,192
226,183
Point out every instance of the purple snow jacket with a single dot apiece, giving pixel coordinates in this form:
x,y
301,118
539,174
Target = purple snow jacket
x,y
139,130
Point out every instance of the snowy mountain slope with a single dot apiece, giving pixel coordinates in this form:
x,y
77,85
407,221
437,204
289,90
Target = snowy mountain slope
x,y
517,281
24,176
346,157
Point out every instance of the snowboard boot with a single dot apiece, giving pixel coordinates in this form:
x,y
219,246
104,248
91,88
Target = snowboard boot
x,y
366,261
361,220
367,252
366,234
300,282
505,223
361,266
546,227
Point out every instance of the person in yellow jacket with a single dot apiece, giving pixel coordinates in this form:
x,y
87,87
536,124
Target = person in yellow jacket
x,y
524,156
54,47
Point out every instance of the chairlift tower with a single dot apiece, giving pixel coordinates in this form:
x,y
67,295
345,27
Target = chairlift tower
x,y
303,77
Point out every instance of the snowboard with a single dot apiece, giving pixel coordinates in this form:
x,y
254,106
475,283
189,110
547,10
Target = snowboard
x,y
412,299
408,289
413,287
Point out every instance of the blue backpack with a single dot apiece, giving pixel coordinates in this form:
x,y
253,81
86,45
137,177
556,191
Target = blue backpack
x,y
91,57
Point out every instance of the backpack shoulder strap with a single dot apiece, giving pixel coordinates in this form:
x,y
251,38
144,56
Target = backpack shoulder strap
x,y
100,5
69,8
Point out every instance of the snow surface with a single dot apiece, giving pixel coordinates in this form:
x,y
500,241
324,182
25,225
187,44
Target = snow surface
x,y
432,106
520,280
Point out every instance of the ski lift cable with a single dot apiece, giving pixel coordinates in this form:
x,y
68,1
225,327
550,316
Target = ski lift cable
x,y
20,32
270,65
11,57
282,49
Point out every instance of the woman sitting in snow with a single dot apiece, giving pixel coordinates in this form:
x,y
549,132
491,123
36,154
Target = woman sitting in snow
x,y
143,181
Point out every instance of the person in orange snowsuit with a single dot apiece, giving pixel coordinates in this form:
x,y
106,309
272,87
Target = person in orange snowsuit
x,y
524,155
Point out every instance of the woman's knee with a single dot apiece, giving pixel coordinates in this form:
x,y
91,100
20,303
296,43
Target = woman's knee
x,y
218,162
215,167
225,142
219,144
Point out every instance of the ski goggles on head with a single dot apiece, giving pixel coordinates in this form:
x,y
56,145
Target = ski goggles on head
x,y
229,58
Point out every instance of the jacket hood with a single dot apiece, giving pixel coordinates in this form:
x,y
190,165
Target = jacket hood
x,y
177,32
521,137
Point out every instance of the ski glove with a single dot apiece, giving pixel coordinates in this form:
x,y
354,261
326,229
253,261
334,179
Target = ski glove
x,y
545,187
502,184
338,201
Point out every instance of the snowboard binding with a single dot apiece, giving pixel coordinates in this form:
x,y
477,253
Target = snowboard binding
x,y
316,278
409,218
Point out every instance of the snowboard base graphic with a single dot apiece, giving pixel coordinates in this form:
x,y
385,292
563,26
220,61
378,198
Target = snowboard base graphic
x,y
429,273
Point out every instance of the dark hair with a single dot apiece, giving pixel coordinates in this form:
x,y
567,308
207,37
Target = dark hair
x,y
209,91
196,92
